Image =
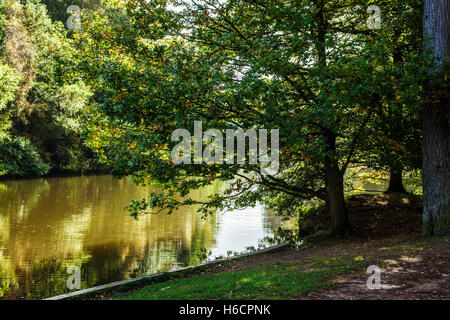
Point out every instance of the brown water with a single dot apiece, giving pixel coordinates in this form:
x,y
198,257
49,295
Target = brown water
x,y
47,225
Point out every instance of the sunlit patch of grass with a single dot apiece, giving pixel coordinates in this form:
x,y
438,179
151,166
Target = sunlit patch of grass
x,y
404,249
410,259
390,262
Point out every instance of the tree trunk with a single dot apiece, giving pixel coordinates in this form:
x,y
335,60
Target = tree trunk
x,y
335,191
336,202
395,172
333,176
395,181
436,132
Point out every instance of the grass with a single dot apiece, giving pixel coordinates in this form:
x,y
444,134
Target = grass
x,y
273,281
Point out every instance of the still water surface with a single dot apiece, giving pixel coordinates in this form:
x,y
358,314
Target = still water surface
x,y
47,225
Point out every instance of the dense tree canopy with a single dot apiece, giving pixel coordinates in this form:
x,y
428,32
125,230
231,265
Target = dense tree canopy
x,y
41,100
311,69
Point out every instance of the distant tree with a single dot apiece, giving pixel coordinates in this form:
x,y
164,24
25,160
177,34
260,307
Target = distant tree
x,y
436,121
57,9
8,85
41,100
394,141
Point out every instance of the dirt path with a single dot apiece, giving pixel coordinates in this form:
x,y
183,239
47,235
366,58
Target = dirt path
x,y
411,267
413,277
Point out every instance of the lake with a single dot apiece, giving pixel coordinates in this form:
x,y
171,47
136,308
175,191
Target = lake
x,y
47,225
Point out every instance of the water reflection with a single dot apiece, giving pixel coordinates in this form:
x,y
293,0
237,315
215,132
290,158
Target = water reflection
x,y
49,224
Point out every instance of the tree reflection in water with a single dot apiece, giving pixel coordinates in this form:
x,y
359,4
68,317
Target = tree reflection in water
x,y
49,224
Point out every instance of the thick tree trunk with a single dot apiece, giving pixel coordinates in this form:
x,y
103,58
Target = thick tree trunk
x,y
336,201
335,191
436,132
333,176
395,172
395,181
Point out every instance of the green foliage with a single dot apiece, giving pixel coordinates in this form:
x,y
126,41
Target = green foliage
x,y
443,225
41,98
18,157
413,182
394,138
8,84
57,9
242,64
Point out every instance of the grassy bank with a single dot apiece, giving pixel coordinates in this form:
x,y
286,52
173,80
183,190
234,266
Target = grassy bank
x,y
272,281
284,280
